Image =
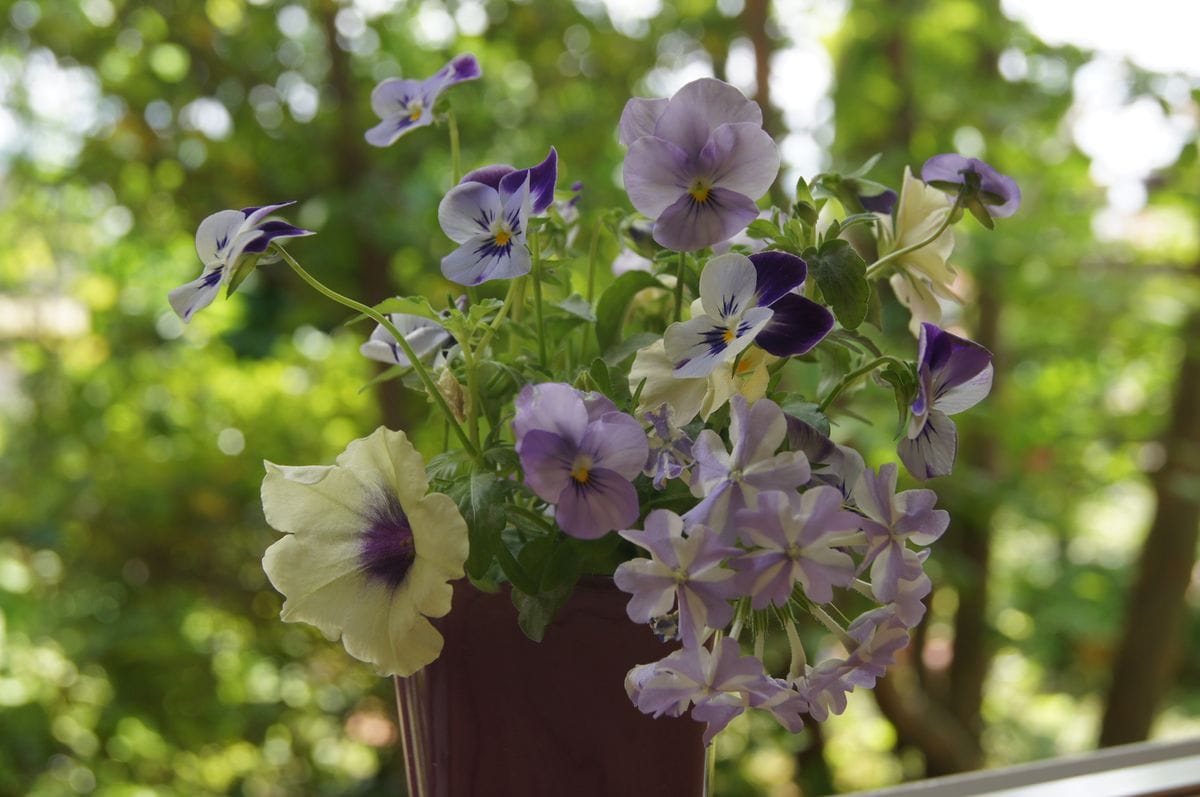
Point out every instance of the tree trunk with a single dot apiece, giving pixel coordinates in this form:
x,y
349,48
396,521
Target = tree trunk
x,y
1149,649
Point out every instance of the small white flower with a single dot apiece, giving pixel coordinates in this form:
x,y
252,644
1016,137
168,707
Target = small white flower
x,y
922,276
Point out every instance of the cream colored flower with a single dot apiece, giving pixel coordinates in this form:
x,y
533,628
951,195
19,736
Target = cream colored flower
x,y
923,275
702,395
367,554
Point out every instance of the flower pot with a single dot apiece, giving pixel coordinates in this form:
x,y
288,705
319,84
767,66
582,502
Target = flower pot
x,y
498,714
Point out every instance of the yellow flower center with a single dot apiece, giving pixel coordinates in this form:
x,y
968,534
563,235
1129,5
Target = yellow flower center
x,y
414,112
729,335
700,191
503,237
582,470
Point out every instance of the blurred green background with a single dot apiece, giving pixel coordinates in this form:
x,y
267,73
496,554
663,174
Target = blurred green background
x,y
140,650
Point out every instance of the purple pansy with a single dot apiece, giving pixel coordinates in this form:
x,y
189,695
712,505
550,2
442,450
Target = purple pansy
x,y
719,683
747,300
953,374
581,455
670,447
685,570
697,163
988,193
488,214
731,480
891,519
405,105
797,538
229,242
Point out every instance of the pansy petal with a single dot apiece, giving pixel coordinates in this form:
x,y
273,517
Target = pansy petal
x,y
741,158
727,285
931,453
390,129
607,501
656,175
698,346
215,233
392,97
554,406
541,180
965,395
618,443
688,225
700,107
479,260
798,324
270,230
776,274
193,296
639,118
547,460
459,69
468,210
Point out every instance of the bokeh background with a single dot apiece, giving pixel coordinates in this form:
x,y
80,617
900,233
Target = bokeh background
x,y
140,651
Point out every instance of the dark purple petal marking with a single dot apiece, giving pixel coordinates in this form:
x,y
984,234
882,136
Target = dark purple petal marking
x,y
932,452
777,274
272,230
541,182
488,175
212,278
797,326
879,203
950,360
387,549
690,223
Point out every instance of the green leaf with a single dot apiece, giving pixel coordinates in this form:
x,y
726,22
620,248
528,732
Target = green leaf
x,y
628,347
386,375
610,310
480,499
577,306
761,228
863,170
412,305
809,413
536,611
598,371
841,275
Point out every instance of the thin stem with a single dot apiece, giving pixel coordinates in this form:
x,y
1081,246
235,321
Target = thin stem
x,y
833,625
679,285
535,252
473,399
495,325
379,318
878,266
455,155
854,376
593,252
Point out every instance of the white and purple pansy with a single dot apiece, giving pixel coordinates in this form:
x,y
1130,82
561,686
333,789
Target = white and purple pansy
x,y
228,242
697,163
405,105
953,374
426,337
487,213
747,300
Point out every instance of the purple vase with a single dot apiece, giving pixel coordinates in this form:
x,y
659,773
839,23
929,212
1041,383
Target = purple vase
x,y
498,714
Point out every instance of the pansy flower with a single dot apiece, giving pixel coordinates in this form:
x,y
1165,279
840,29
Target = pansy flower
x,y
405,105
367,553
488,214
923,276
697,163
747,300
581,455
229,243
426,337
987,193
953,375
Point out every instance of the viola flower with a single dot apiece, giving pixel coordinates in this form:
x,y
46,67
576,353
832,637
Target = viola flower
x,y
719,684
880,635
988,194
653,370
832,464
488,214
697,163
670,447
405,105
684,570
953,375
747,300
796,538
580,458
731,480
426,337
892,519
229,243
367,554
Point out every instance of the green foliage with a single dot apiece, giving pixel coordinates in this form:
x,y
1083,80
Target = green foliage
x,y
841,275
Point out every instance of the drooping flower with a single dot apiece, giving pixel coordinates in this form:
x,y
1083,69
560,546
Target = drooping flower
x,y
987,193
747,300
719,684
405,105
880,635
836,465
367,553
697,163
892,519
426,337
731,480
581,455
670,447
685,570
953,375
797,539
229,243
488,214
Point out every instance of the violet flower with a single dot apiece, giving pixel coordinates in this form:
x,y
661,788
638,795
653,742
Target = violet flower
x,y
488,214
880,635
832,464
891,520
581,455
731,480
697,163
797,538
684,569
953,374
405,105
229,243
426,337
987,193
670,447
747,300
824,688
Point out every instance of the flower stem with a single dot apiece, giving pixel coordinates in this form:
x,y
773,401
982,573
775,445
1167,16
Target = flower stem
x,y
455,155
379,318
473,399
679,285
878,266
499,319
535,252
593,252
854,376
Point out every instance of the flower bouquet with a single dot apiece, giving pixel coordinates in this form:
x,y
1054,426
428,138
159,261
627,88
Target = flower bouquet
x,y
651,462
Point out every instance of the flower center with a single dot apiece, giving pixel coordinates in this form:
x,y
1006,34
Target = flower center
x,y
414,111
700,191
387,549
581,470
503,236
728,335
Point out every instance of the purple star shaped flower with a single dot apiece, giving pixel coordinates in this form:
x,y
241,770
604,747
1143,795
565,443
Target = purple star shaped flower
x,y
229,243
747,300
880,635
670,447
731,480
581,455
488,214
684,569
953,374
988,193
697,163
405,105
